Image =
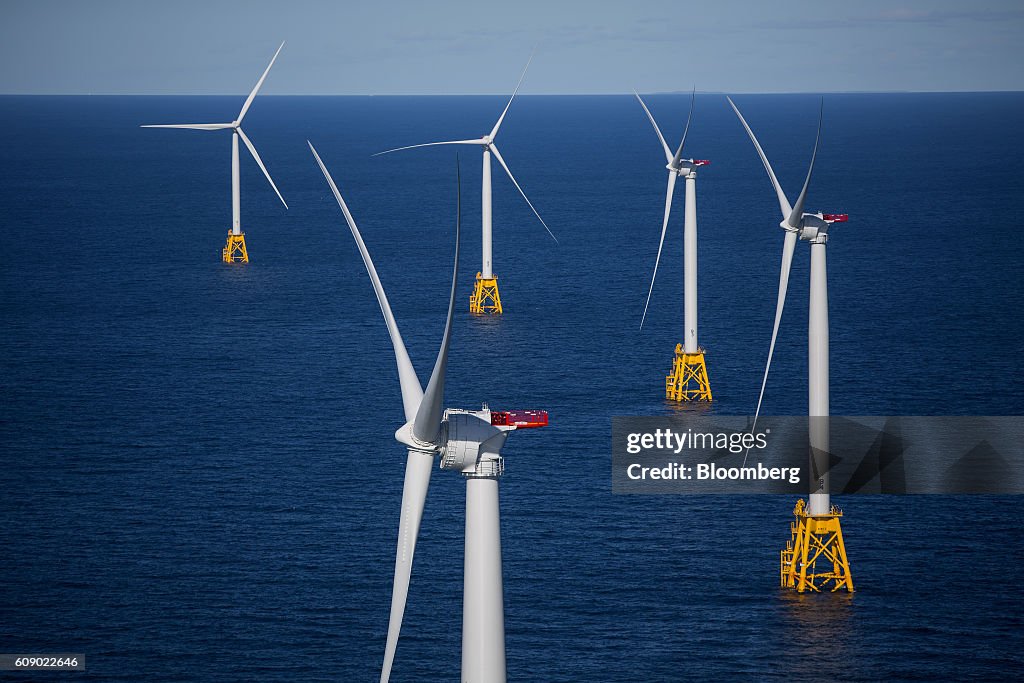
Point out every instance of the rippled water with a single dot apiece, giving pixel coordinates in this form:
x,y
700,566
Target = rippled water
x,y
199,476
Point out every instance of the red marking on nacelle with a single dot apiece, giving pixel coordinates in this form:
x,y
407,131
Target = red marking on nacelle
x,y
835,217
520,419
701,162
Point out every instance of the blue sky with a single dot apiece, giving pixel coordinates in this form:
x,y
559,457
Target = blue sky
x,y
476,47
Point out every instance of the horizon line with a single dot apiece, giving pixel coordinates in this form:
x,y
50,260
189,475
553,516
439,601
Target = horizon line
x,y
505,94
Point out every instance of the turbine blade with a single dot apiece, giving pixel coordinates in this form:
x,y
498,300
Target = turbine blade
x,y
798,208
193,126
668,152
494,131
679,152
787,261
256,156
497,155
412,392
414,496
668,208
428,417
783,202
259,83
478,141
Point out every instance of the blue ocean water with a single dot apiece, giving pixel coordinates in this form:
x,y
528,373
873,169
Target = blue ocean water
x,y
199,475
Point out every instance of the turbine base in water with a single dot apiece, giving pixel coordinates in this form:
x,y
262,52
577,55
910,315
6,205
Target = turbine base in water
x,y
815,538
485,297
234,250
689,378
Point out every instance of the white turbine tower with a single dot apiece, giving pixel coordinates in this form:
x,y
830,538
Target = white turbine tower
x,y
470,442
485,298
234,250
817,533
689,378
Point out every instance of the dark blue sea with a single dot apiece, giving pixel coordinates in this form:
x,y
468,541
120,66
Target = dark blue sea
x,y
198,475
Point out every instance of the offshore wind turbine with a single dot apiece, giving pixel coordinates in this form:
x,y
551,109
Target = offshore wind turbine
x,y
469,442
689,378
485,297
817,534
234,250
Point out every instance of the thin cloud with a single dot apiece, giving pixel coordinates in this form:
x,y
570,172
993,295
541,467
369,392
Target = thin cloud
x,y
945,16
898,15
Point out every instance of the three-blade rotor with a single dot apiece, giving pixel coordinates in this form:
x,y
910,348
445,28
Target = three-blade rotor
x,y
488,144
673,164
423,414
792,223
236,126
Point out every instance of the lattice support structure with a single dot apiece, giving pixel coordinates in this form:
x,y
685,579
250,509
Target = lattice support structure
x,y
815,540
485,297
234,251
689,378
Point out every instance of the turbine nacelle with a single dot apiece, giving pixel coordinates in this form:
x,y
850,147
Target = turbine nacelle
x,y
686,166
472,444
471,440
814,226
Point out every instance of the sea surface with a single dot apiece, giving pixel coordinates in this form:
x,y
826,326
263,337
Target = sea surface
x,y
198,475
